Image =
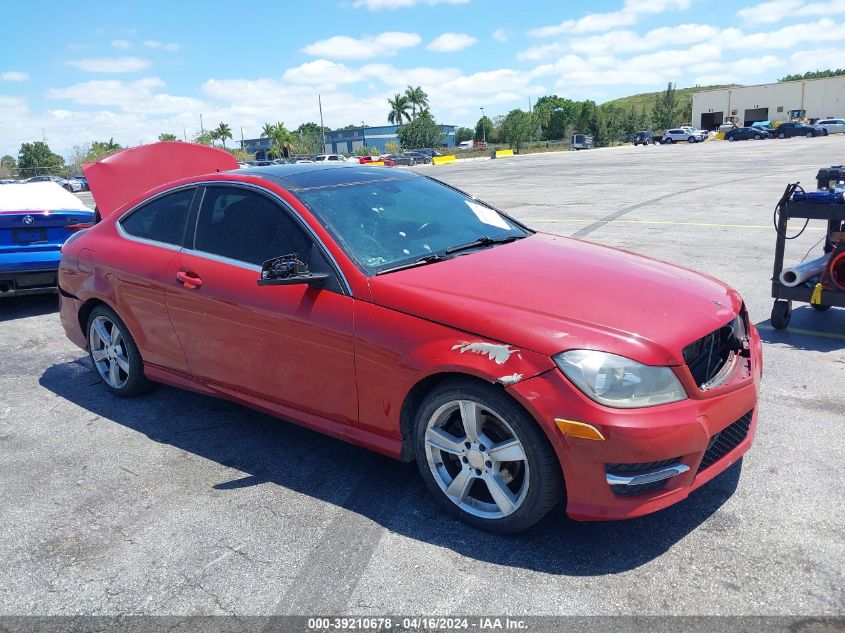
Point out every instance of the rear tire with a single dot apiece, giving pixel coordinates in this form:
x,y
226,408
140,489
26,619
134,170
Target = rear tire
x,y
810,134
114,354
781,135
484,458
731,139
757,137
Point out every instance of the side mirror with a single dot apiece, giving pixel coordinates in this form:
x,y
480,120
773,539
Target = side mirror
x,y
288,270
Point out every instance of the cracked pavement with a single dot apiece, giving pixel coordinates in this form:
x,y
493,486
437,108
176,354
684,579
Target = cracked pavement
x,y
175,503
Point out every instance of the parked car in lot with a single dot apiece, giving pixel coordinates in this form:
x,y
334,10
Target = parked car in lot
x,y
82,180
679,135
427,151
745,134
765,126
329,158
400,314
403,159
419,157
35,220
643,138
792,128
364,160
69,184
833,126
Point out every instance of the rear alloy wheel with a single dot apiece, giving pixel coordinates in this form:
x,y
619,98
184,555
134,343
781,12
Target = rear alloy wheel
x,y
691,139
810,134
731,139
485,459
781,135
757,137
114,353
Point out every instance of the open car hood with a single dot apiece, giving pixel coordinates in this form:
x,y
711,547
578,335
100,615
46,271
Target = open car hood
x,y
126,175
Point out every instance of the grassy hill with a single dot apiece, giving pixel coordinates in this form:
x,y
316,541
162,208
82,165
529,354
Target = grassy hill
x,y
647,99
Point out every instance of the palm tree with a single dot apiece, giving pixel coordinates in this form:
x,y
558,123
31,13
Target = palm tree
x,y
223,131
417,98
267,130
166,136
398,110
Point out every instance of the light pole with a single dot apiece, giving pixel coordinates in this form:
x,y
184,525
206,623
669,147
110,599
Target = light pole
x,y
483,128
202,130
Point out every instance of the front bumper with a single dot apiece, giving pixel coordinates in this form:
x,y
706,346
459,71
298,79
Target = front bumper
x,y
677,433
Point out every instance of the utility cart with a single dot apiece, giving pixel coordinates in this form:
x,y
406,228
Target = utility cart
x,y
811,292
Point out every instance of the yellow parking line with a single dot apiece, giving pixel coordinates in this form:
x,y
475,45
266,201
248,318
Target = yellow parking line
x,y
795,330
669,222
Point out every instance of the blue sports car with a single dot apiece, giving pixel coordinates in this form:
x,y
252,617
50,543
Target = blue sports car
x,y
35,220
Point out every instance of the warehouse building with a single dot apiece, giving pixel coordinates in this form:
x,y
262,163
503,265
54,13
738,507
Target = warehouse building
x,y
744,105
340,141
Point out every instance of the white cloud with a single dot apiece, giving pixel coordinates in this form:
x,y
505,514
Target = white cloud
x,y
599,22
122,44
451,42
623,41
321,72
110,64
735,71
500,35
137,96
14,75
168,47
824,30
344,47
777,10
803,61
376,5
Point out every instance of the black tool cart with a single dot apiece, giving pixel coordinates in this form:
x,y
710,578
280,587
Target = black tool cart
x,y
827,203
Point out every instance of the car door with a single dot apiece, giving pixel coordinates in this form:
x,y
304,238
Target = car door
x,y
138,266
290,344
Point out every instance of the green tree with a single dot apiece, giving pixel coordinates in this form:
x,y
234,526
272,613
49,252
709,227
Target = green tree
x,y
392,147
166,136
483,129
99,149
363,150
351,126
815,74
666,111
8,166
309,138
36,159
204,138
464,134
517,128
417,99
556,114
222,132
423,131
398,110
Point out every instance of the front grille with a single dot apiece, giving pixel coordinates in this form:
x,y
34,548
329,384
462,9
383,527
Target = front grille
x,y
726,440
707,356
634,469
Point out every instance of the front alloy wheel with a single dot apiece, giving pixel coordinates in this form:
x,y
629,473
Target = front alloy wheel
x,y
485,459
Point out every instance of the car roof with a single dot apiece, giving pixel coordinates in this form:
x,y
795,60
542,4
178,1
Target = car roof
x,y
304,176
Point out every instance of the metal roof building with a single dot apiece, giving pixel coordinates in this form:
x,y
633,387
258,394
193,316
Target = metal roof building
x,y
376,137
821,98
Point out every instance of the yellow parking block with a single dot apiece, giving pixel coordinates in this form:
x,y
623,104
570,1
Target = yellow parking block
x,y
375,163
720,136
442,160
503,153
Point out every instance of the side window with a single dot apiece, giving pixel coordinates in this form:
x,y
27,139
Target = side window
x,y
246,226
162,220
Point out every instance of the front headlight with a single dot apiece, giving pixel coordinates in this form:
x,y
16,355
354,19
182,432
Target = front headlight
x,y
616,381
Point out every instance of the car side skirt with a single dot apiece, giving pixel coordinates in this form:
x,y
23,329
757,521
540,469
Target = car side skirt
x,y
354,435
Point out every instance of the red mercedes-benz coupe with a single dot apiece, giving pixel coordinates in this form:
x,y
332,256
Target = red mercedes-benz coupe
x,y
393,311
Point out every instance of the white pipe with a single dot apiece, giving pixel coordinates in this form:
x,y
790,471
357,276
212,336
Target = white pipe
x,y
798,274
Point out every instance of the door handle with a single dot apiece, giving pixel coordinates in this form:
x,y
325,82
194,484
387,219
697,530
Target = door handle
x,y
189,280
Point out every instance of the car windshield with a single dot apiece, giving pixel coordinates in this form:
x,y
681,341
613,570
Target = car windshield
x,y
386,223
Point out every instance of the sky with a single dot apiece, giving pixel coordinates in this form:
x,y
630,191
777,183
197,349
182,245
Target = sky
x,y
77,72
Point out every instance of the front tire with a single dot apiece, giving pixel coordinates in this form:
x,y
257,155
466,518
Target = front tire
x,y
114,353
781,135
484,458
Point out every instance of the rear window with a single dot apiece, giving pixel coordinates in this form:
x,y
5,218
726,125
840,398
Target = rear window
x,y
162,220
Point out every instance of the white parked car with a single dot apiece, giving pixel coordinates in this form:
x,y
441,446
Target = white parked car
x,y
833,126
326,158
680,135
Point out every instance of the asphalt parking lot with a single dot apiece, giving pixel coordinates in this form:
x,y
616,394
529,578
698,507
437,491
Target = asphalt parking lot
x,y
176,503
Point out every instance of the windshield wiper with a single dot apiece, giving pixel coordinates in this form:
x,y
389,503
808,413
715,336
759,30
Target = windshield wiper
x,y
484,241
422,261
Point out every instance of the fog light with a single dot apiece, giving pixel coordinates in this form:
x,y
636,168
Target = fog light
x,y
579,429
